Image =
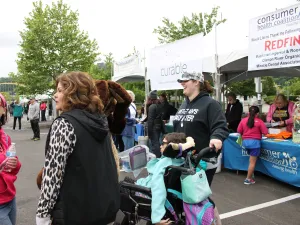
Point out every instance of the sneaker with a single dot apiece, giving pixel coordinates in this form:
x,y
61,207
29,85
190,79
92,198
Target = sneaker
x,y
32,138
36,139
249,181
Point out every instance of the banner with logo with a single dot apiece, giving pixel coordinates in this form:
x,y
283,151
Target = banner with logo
x,y
129,66
280,160
274,39
168,62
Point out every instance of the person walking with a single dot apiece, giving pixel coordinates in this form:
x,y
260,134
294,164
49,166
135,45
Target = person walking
x,y
33,116
43,108
18,114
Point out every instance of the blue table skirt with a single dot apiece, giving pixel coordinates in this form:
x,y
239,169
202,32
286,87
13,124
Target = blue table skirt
x,y
279,160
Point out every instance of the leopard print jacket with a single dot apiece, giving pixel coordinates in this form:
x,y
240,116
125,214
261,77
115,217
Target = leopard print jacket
x,y
61,145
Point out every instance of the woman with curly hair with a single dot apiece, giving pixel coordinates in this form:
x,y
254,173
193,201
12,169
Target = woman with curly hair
x,y
80,180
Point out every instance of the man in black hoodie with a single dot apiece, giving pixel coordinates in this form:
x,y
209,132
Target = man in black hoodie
x,y
234,112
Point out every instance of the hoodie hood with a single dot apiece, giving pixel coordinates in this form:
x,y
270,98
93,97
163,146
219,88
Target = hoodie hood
x,y
95,124
236,102
200,95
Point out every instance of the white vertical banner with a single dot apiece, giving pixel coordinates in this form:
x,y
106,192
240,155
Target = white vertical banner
x,y
168,62
274,39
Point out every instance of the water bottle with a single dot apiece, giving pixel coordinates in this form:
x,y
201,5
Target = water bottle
x,y
11,152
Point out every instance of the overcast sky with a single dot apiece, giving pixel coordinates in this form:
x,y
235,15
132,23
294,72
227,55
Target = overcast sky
x,y
120,25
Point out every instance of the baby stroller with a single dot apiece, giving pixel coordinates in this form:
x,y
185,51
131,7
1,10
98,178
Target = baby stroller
x,y
136,199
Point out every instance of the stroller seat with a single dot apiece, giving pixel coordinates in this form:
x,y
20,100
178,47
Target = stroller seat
x,y
136,199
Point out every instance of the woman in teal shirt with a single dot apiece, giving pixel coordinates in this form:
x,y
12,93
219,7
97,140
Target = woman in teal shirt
x,y
17,114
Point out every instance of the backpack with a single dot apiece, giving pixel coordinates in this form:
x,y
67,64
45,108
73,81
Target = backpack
x,y
201,213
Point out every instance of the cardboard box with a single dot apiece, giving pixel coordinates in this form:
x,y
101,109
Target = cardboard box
x,y
276,130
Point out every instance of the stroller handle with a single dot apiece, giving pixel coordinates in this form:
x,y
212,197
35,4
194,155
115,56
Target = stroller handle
x,y
181,169
202,153
135,187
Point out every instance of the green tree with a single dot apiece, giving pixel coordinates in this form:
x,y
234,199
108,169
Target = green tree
x,y
243,88
282,80
103,71
52,43
294,86
186,27
138,88
268,86
7,96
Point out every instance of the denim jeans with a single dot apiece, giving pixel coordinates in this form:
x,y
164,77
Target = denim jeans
x,y
128,142
8,213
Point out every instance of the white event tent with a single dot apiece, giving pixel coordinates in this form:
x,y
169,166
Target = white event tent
x,y
223,53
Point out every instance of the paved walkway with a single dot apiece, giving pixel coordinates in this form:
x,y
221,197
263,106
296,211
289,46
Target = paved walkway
x,y
25,124
271,202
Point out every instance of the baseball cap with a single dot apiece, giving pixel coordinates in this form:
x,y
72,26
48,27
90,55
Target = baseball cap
x,y
191,76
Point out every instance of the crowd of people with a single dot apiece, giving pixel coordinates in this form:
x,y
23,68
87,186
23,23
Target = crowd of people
x,y
79,180
252,127
33,111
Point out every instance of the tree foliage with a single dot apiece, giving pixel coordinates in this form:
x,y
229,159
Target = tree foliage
x,y
268,86
7,96
282,80
103,71
138,88
294,86
186,27
52,43
243,88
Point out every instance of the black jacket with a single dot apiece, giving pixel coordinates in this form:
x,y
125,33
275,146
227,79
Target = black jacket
x,y
201,119
90,193
168,110
154,119
234,115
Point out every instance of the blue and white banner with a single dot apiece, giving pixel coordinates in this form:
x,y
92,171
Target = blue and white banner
x,y
280,160
274,40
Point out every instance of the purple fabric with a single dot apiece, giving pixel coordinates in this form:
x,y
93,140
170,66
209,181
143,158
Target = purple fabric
x,y
199,214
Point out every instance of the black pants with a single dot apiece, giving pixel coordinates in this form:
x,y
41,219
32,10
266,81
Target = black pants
x,y
43,112
119,142
35,128
15,120
155,145
210,175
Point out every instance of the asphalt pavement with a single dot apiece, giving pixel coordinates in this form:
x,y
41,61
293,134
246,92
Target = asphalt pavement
x,y
231,196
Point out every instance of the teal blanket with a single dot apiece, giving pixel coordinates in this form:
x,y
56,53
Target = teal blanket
x,y
156,169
